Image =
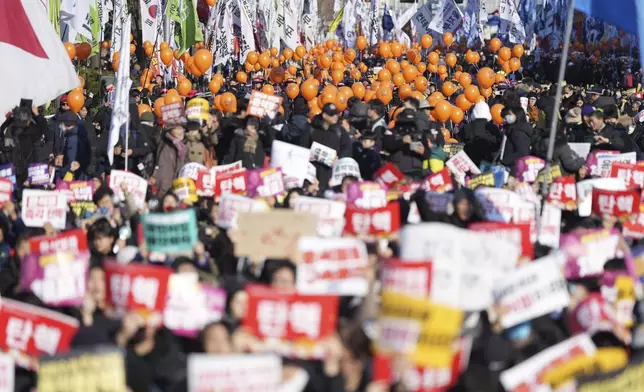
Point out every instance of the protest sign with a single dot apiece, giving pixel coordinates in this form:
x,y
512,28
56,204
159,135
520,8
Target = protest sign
x,y
527,168
173,114
585,192
627,378
517,233
58,278
587,252
330,214
7,171
192,305
605,162
230,205
563,193
265,182
485,179
76,190
344,167
528,375
460,165
632,175
262,105
207,178
231,182
418,328
29,330
272,234
592,165
292,323
136,186
234,372
170,232
191,170
530,291
91,369
380,222
7,373
74,241
593,314
550,230
388,175
323,154
554,172
367,194
6,190
581,149
185,190
40,207
38,174
498,204
422,18
293,160
439,202
634,227
410,278
448,20
332,266
615,203
137,287
439,182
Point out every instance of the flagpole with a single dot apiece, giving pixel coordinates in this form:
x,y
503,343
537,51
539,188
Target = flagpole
x,y
555,111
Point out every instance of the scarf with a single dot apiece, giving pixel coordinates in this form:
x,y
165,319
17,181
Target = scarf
x,y
181,148
250,141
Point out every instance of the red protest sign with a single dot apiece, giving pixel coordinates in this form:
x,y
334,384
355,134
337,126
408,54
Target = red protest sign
x,y
74,241
232,182
518,233
206,178
261,104
31,330
137,287
388,175
439,182
634,227
173,114
375,221
615,203
410,278
633,175
290,317
563,193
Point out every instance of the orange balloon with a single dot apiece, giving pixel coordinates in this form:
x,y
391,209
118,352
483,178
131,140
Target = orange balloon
x,y
462,102
506,67
149,50
385,95
292,70
132,48
433,68
358,90
288,53
448,38
241,77
166,56
448,89
292,90
164,45
325,61
277,75
75,100
184,87
472,93
421,84
393,66
384,75
515,64
486,77
361,43
229,102
268,89
426,41
83,50
421,68
203,60
214,86
211,3
384,50
505,53
496,110
369,96
450,59
410,73
495,44
486,92
499,78
115,65
404,91
264,60
517,51
398,80
143,108
274,52
337,76
309,89
300,51
442,110
413,56
252,58
433,58
457,115
158,104
185,56
218,103
464,79
71,50
105,44
171,98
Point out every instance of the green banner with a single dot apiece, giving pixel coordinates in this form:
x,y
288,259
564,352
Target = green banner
x,y
96,27
184,14
54,14
170,232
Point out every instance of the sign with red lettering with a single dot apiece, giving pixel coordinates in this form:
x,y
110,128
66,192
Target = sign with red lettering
x,y
440,182
294,322
633,228
409,278
6,189
518,233
615,203
388,175
29,330
135,185
76,190
367,194
265,182
633,175
234,372
232,182
261,105
563,193
381,222
206,178
137,287
40,207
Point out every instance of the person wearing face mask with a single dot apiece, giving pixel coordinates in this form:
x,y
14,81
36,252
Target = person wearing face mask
x,y
518,134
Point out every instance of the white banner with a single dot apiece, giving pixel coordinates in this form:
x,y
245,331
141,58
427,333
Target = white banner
x,y
422,19
121,112
82,19
532,290
118,21
350,22
511,23
448,19
329,212
224,46
230,205
40,207
234,373
247,41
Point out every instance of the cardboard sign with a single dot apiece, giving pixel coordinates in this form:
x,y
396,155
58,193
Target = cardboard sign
x,y
6,190
170,232
615,203
29,330
294,322
460,165
440,182
518,233
7,171
388,175
38,174
498,204
530,291
92,369
261,105
135,185
137,287
367,194
410,278
380,222
7,373
422,330
173,114
40,207
230,205
605,162
293,160
585,191
272,234
587,252
344,167
563,193
265,182
330,214
323,154
192,305
234,372
529,374
232,182
485,179
332,266
527,168
76,190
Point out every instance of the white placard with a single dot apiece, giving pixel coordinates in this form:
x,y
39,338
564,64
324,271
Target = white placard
x,y
230,205
323,154
498,204
40,207
581,149
7,373
605,161
292,159
234,373
136,186
461,164
329,212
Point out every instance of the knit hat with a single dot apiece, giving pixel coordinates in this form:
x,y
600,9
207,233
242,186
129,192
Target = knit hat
x,y
587,110
573,116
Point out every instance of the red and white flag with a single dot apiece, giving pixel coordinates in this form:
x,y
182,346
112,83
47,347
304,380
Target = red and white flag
x,y
35,64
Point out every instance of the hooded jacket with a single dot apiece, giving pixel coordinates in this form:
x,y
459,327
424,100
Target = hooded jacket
x,y
482,138
519,142
297,131
331,138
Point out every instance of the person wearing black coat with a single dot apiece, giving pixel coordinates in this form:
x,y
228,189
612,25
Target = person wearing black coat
x,y
406,147
563,155
481,137
298,130
328,132
518,134
608,138
247,145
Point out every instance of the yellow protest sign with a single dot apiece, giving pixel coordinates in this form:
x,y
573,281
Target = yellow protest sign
x,y
486,179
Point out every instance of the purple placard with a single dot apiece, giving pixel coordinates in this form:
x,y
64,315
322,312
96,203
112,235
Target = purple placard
x,y
76,190
58,279
587,252
186,316
367,194
264,182
38,174
526,169
591,161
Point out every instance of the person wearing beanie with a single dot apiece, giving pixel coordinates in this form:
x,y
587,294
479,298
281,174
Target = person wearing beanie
x,y
298,130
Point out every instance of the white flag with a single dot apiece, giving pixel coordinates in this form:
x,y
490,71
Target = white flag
x,y
511,23
291,33
150,20
401,22
350,22
448,19
118,21
421,19
247,19
375,23
121,112
224,38
82,20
